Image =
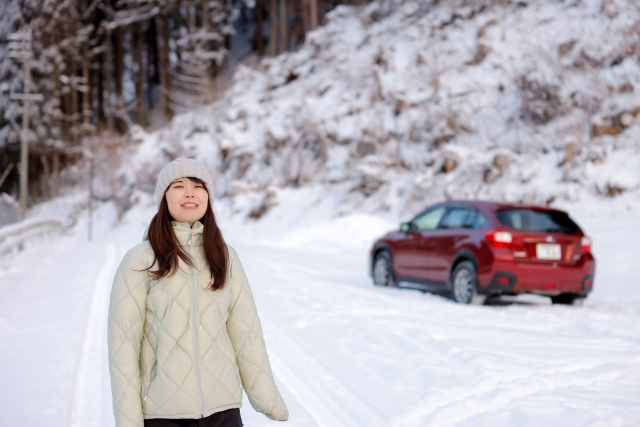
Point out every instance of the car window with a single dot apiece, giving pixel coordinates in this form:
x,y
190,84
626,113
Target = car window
x,y
479,219
458,218
537,221
429,220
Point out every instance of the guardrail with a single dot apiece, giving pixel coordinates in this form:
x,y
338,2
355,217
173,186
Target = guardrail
x,y
17,237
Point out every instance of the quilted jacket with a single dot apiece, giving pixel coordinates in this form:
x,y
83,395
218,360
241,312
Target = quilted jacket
x,y
180,350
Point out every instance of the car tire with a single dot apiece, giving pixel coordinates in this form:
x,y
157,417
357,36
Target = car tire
x,y
568,299
464,284
383,270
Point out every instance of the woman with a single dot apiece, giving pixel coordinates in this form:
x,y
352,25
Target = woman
x,y
184,334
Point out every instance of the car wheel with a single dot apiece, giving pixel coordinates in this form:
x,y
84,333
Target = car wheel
x,y
568,299
464,284
383,270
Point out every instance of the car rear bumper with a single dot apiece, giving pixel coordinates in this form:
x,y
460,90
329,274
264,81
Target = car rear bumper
x,y
511,277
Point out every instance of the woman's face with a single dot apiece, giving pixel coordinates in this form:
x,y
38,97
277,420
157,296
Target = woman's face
x,y
187,200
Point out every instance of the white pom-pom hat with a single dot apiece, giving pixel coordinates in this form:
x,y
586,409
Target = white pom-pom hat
x,y
182,168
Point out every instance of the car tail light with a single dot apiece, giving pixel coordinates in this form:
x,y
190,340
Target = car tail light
x,y
586,244
499,239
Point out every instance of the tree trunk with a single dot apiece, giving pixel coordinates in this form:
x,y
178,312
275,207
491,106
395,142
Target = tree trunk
x,y
74,101
86,95
119,74
66,114
57,91
110,101
284,26
168,70
162,24
99,76
139,46
314,14
306,16
161,64
191,25
33,187
56,173
152,61
207,45
259,28
273,28
46,188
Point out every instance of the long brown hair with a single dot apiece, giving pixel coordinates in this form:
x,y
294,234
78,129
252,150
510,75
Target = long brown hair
x,y
167,249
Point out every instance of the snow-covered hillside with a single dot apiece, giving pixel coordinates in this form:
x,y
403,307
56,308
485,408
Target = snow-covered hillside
x,y
397,104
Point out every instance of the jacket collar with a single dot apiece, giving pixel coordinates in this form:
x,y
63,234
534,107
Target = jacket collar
x,y
182,230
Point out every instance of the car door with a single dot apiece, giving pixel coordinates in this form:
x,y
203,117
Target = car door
x,y
409,257
442,244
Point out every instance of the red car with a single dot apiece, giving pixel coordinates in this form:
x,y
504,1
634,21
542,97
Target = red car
x,y
472,250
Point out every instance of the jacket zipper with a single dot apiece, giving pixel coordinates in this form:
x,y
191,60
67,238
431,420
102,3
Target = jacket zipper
x,y
195,325
146,393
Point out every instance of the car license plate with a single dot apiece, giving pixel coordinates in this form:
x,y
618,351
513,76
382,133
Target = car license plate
x,y
548,251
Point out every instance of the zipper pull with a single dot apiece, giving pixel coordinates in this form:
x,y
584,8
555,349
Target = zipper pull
x,y
145,399
189,242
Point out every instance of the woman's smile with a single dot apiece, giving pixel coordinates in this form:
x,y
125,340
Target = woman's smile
x,y
190,206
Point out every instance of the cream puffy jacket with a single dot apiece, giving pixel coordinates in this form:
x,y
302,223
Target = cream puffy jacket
x,y
177,349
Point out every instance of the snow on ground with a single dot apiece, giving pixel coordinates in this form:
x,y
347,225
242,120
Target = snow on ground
x,y
345,353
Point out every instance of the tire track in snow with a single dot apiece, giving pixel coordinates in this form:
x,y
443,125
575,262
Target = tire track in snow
x,y
467,402
86,403
327,399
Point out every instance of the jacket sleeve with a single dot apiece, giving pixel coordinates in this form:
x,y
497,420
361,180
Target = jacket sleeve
x,y
127,310
245,332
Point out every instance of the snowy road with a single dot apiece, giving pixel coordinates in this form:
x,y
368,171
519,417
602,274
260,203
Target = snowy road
x,y
345,353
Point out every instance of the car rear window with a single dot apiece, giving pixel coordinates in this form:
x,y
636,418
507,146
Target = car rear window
x,y
537,221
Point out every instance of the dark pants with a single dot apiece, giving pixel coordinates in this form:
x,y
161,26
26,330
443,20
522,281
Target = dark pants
x,y
228,418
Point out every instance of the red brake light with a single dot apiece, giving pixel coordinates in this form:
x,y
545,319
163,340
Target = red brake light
x,y
499,239
586,244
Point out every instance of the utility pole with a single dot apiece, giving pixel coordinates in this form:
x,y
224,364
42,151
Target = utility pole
x,y
90,153
20,48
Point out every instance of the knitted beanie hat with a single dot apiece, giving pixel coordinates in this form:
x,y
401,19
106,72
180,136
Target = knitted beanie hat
x,y
182,168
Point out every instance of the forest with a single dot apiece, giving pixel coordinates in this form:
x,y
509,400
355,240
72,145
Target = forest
x,y
85,71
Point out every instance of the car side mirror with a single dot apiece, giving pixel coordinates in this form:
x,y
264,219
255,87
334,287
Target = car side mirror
x,y
406,227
